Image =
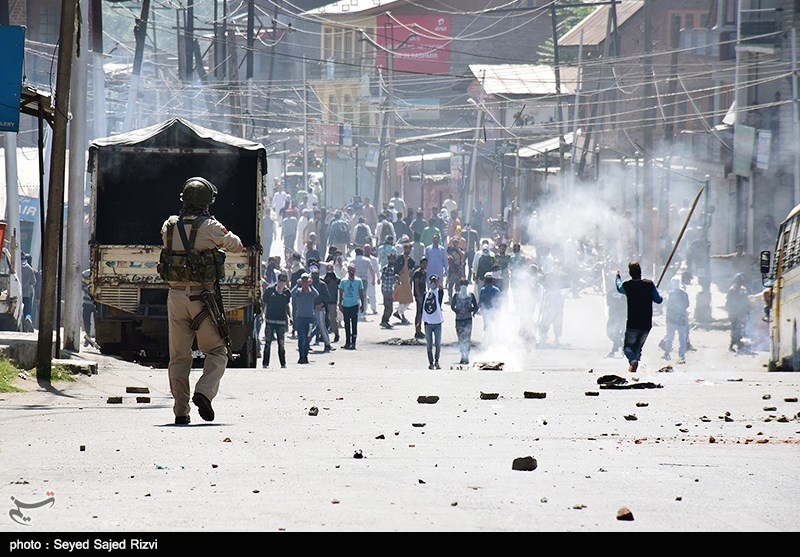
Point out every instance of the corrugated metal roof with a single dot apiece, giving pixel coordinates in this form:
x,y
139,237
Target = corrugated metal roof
x,y
523,79
594,25
351,6
545,146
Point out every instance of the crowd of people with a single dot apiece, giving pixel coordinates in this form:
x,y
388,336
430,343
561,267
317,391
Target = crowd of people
x,y
408,266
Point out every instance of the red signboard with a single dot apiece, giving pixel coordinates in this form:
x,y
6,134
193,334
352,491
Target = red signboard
x,y
421,43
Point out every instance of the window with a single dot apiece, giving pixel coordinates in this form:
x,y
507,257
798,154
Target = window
x,y
730,11
327,43
48,24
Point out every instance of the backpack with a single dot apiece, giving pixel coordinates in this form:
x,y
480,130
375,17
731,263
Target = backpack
x,y
339,232
362,233
189,265
485,264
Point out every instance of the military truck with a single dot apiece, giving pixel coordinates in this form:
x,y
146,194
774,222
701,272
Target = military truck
x,y
136,181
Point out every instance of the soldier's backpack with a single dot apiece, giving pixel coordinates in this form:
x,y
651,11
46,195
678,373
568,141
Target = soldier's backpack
x,y
189,265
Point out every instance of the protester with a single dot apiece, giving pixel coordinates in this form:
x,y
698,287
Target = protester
x,y
399,203
361,232
433,318
437,258
319,308
351,297
489,301
555,285
365,272
419,284
465,307
641,293
339,232
388,279
455,265
615,323
289,232
332,282
677,319
303,297
277,317
738,307
370,214
482,264
403,292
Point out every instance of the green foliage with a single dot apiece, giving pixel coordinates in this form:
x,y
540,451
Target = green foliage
x,y
567,19
8,372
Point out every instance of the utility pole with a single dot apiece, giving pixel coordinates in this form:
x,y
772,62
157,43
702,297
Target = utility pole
x,y
98,75
473,166
250,54
73,300
392,122
559,111
305,126
649,117
55,201
140,32
795,118
188,39
600,89
271,62
675,38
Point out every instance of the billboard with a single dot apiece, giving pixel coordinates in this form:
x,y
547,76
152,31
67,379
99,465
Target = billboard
x,y
421,43
12,45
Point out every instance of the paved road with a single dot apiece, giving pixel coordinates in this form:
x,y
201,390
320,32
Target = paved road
x,y
267,465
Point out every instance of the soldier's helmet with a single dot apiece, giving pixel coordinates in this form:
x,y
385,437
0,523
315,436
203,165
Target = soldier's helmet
x,y
198,191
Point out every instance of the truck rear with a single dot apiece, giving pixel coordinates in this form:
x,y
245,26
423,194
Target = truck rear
x,y
136,182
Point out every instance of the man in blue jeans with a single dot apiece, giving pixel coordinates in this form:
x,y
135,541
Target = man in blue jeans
x,y
352,297
303,296
641,293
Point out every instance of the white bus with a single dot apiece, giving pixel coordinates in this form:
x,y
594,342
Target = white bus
x,y
781,274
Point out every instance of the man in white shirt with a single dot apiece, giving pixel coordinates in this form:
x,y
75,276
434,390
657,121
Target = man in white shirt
x,y
399,203
302,222
278,198
450,204
366,272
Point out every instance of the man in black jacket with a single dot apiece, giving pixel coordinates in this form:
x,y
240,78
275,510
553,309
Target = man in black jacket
x,y
641,293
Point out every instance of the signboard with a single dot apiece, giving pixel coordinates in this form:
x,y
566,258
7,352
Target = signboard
x,y
504,147
28,208
744,140
328,134
418,109
763,145
421,43
12,45
371,160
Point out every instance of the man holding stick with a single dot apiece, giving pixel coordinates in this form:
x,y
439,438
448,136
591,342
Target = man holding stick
x,y
641,293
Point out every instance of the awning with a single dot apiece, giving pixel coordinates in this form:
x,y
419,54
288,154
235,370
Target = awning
x,y
426,156
435,135
545,146
31,99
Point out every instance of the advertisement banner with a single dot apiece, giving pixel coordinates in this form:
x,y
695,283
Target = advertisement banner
x,y
744,142
421,43
12,45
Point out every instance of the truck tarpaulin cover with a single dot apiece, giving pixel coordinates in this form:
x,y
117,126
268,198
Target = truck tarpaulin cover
x,y
134,194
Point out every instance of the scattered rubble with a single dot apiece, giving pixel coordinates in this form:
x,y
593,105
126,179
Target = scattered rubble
x,y
711,439
624,513
531,394
770,409
358,454
617,382
114,400
735,379
416,424
766,397
665,369
422,399
790,399
705,419
381,436
490,366
579,506
631,417
591,393
226,440
489,396
396,341
313,411
137,390
143,399
524,463
83,448
642,404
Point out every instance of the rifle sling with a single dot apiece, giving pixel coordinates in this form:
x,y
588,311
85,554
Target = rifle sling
x,y
198,320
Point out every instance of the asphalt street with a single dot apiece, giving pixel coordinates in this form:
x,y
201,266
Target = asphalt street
x,y
716,448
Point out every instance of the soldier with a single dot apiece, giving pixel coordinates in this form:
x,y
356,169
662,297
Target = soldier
x,y
195,266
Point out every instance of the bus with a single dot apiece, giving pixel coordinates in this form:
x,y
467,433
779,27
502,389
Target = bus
x,y
781,275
